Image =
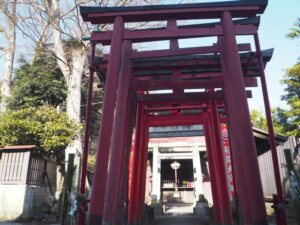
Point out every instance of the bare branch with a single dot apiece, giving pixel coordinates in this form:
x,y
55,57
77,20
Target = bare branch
x,y
75,7
4,33
31,3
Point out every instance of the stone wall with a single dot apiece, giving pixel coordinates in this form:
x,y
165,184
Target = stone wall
x,y
12,201
21,201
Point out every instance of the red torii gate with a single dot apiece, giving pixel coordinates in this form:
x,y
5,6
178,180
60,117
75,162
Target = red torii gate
x,y
128,104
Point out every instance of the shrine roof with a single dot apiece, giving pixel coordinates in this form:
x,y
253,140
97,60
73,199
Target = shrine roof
x,y
262,140
17,148
159,63
253,21
261,137
267,54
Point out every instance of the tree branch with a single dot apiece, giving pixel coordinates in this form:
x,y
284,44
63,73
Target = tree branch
x,y
75,7
4,33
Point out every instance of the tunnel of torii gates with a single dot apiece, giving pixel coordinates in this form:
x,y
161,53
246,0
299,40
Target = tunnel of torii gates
x,y
220,73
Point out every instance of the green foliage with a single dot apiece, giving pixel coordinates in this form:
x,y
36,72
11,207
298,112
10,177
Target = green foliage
x,y
91,163
286,122
295,32
72,43
42,126
96,105
291,118
70,46
260,121
95,118
37,83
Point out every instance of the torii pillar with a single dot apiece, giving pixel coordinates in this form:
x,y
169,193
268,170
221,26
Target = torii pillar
x,y
241,135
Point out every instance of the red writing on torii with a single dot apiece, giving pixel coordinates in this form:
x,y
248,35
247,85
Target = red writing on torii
x,y
228,161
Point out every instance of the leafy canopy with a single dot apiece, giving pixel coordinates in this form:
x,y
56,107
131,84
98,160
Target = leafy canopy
x,y
291,118
260,121
37,83
285,122
42,126
295,32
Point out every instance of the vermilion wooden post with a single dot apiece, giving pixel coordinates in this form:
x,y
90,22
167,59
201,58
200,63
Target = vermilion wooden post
x,y
212,163
238,165
143,168
281,201
87,131
123,211
119,134
99,182
174,44
138,211
220,164
132,179
240,125
135,172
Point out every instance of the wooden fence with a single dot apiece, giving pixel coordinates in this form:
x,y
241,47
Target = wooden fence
x,y
266,166
14,167
20,166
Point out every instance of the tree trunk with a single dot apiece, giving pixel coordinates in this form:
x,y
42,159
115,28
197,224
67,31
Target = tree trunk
x,y
74,84
9,56
72,71
7,75
74,102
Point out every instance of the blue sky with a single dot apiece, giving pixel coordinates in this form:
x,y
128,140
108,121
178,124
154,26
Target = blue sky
x,y
276,22
278,18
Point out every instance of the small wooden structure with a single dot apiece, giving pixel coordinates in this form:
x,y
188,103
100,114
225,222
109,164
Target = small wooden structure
x,y
26,180
18,165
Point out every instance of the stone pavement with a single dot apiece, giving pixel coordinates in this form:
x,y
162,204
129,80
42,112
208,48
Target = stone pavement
x,y
176,209
180,214
10,223
187,219
15,223
30,223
